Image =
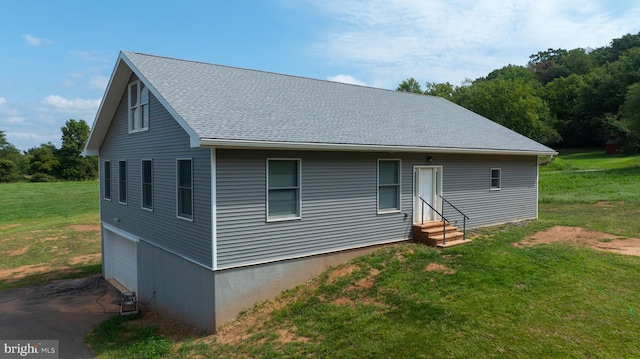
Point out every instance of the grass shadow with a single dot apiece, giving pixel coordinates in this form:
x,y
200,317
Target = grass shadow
x,y
72,272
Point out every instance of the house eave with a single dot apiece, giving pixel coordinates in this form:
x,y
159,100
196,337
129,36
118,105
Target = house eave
x,y
306,146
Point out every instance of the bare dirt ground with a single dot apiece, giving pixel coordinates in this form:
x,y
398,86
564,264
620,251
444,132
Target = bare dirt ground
x,y
583,237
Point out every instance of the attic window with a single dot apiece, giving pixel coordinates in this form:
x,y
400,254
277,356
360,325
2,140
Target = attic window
x,y
138,107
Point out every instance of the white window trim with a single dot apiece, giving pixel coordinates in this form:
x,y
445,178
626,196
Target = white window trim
x,y
499,179
104,181
137,107
284,218
150,209
190,219
126,182
386,211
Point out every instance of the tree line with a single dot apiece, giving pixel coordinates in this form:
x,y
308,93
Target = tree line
x,y
563,98
46,162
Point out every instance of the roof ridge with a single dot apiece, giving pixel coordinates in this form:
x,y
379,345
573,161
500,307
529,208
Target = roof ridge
x,y
276,73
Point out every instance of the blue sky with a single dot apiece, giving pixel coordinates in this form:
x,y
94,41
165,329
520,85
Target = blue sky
x,y
57,56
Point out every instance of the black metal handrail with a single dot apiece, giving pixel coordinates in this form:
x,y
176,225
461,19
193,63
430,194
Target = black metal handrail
x,y
464,218
444,220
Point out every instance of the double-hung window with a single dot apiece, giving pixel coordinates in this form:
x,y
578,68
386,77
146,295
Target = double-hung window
x,y
138,107
283,189
147,184
185,189
388,186
122,182
495,179
107,179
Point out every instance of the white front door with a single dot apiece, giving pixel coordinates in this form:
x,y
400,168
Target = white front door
x,y
427,187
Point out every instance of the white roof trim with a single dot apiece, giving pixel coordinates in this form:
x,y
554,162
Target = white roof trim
x,y
366,148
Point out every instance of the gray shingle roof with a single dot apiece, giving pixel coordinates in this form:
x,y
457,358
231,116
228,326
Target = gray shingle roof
x,y
227,103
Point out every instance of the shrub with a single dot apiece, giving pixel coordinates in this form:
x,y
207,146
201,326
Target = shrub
x,y
43,177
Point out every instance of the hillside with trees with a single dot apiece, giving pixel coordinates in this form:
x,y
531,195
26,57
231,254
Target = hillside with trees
x,y
46,162
563,98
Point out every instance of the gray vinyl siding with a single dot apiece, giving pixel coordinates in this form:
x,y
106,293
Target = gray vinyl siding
x,y
467,184
339,207
164,142
339,201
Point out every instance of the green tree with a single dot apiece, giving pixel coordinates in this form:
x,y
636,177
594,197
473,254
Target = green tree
x,y
547,65
11,160
562,95
630,110
513,72
73,166
604,93
512,104
444,90
576,62
43,159
410,85
616,48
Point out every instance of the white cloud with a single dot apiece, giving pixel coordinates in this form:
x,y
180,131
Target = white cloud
x,y
62,104
35,41
29,136
443,40
28,125
347,79
99,82
14,120
94,56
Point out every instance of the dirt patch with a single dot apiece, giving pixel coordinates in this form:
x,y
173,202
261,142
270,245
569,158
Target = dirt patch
x,y
583,237
367,282
47,239
18,252
7,226
286,336
85,259
238,330
607,204
85,227
341,272
440,268
13,274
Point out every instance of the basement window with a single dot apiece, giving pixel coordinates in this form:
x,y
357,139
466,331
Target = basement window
x,y
495,179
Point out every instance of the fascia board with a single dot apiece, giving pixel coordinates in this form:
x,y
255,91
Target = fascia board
x,y
303,146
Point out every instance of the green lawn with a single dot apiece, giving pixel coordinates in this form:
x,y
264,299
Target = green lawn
x,y
48,231
490,299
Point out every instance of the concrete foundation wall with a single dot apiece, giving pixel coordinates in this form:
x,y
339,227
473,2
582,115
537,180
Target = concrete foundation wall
x,y
241,288
183,290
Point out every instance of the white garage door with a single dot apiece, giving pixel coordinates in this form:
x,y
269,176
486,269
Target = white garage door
x,y
123,261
